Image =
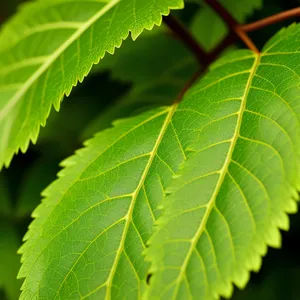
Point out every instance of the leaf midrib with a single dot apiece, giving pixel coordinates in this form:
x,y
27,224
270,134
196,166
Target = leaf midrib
x,y
222,172
80,174
18,96
135,195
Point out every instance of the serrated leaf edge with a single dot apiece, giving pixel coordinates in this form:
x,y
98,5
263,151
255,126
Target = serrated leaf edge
x,y
271,236
35,132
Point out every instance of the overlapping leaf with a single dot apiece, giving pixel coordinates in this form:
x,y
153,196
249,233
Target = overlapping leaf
x,y
92,229
50,46
241,178
241,122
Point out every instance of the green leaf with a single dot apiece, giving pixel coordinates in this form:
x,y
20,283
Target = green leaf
x,y
9,262
231,196
90,231
93,226
218,29
157,80
51,45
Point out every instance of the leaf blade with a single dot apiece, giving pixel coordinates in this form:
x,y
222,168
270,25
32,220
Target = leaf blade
x,y
113,164
224,231
31,75
138,231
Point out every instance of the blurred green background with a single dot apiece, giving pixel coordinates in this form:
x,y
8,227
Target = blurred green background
x,y
91,107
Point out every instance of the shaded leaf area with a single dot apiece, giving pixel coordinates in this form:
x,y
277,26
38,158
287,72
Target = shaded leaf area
x,y
38,66
96,94
9,244
111,191
231,196
34,181
156,80
127,206
9,261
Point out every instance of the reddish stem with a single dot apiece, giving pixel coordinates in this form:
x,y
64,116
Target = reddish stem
x,y
232,24
295,12
236,31
223,13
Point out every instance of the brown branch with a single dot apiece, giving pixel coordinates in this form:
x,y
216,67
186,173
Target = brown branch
x,y
237,31
232,24
187,38
246,39
295,12
223,13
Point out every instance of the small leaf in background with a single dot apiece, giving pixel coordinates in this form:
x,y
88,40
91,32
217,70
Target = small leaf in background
x,y
217,28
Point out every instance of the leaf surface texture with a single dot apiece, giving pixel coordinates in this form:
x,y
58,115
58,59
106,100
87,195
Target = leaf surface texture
x,y
231,196
228,154
51,45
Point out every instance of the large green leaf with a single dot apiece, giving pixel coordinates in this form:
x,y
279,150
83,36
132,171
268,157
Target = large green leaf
x,y
51,45
240,179
93,226
90,231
